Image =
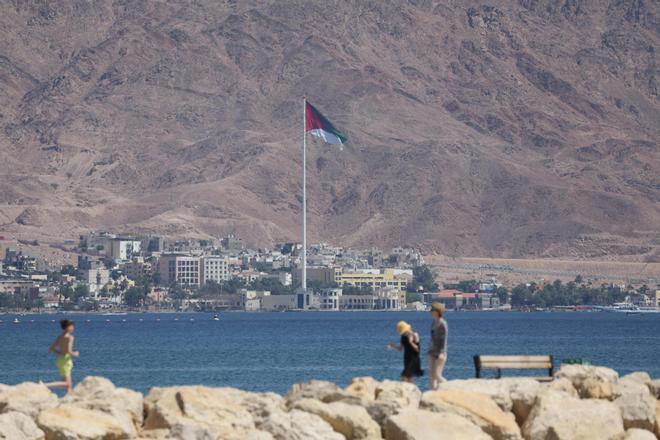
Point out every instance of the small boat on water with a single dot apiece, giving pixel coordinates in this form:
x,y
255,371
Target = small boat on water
x,y
16,321
216,317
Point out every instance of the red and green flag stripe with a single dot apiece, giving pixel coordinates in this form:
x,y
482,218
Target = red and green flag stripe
x,y
319,126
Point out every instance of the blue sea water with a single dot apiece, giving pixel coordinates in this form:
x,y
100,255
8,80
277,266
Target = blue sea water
x,y
271,351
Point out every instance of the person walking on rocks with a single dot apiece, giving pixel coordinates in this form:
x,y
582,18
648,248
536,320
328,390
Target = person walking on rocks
x,y
410,347
437,353
63,348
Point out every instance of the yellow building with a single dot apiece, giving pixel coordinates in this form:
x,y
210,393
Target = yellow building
x,y
372,278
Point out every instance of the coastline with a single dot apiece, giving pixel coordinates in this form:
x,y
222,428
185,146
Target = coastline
x,y
580,402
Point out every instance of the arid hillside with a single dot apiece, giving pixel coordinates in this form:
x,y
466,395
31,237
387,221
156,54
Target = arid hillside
x,y
504,129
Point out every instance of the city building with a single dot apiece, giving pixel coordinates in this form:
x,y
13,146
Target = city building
x,y
326,276
138,268
232,243
124,248
89,262
456,299
329,299
95,278
374,278
279,302
179,268
214,268
383,299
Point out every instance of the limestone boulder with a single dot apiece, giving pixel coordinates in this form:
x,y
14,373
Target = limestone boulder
x,y
18,426
314,389
637,405
27,398
596,389
393,397
403,392
584,377
478,408
657,418
417,424
512,394
638,434
523,393
218,411
353,422
496,389
363,387
641,377
298,425
563,385
99,394
68,422
654,388
557,416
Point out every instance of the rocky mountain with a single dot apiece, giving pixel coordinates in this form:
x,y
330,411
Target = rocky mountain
x,y
497,128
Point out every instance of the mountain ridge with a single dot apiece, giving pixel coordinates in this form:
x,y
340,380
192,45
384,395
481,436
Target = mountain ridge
x,y
495,129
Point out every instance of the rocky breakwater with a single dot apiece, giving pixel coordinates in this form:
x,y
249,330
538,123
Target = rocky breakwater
x,y
582,402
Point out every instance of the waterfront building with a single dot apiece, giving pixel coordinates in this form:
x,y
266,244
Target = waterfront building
x,y
329,299
456,299
381,300
279,302
251,300
179,268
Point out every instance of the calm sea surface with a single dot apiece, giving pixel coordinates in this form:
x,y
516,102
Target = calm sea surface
x,y
271,351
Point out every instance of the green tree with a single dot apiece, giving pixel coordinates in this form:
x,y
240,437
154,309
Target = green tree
x,y
502,294
135,296
413,297
422,277
80,291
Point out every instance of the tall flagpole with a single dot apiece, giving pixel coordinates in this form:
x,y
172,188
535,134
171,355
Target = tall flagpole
x,y
304,213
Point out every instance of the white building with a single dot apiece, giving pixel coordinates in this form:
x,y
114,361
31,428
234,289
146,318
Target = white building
x,y
124,249
95,279
329,299
214,268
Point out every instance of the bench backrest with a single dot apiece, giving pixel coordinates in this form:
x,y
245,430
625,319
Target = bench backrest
x,y
501,362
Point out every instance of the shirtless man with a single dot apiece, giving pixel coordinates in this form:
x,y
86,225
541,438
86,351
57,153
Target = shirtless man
x,y
63,348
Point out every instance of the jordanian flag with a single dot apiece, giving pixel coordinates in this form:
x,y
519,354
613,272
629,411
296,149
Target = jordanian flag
x,y
319,126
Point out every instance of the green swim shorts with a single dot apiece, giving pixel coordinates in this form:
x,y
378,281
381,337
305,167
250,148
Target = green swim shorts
x,y
64,364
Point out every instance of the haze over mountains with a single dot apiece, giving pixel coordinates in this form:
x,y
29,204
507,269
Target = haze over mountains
x,y
496,128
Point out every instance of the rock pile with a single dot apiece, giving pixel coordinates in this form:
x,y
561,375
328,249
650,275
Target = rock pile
x,y
583,402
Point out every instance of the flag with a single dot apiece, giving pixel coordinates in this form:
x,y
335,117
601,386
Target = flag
x,y
319,126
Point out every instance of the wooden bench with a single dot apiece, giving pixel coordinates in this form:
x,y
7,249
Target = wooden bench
x,y
499,363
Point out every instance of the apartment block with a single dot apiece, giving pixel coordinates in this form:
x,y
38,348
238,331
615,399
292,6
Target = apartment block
x,y
214,268
179,268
